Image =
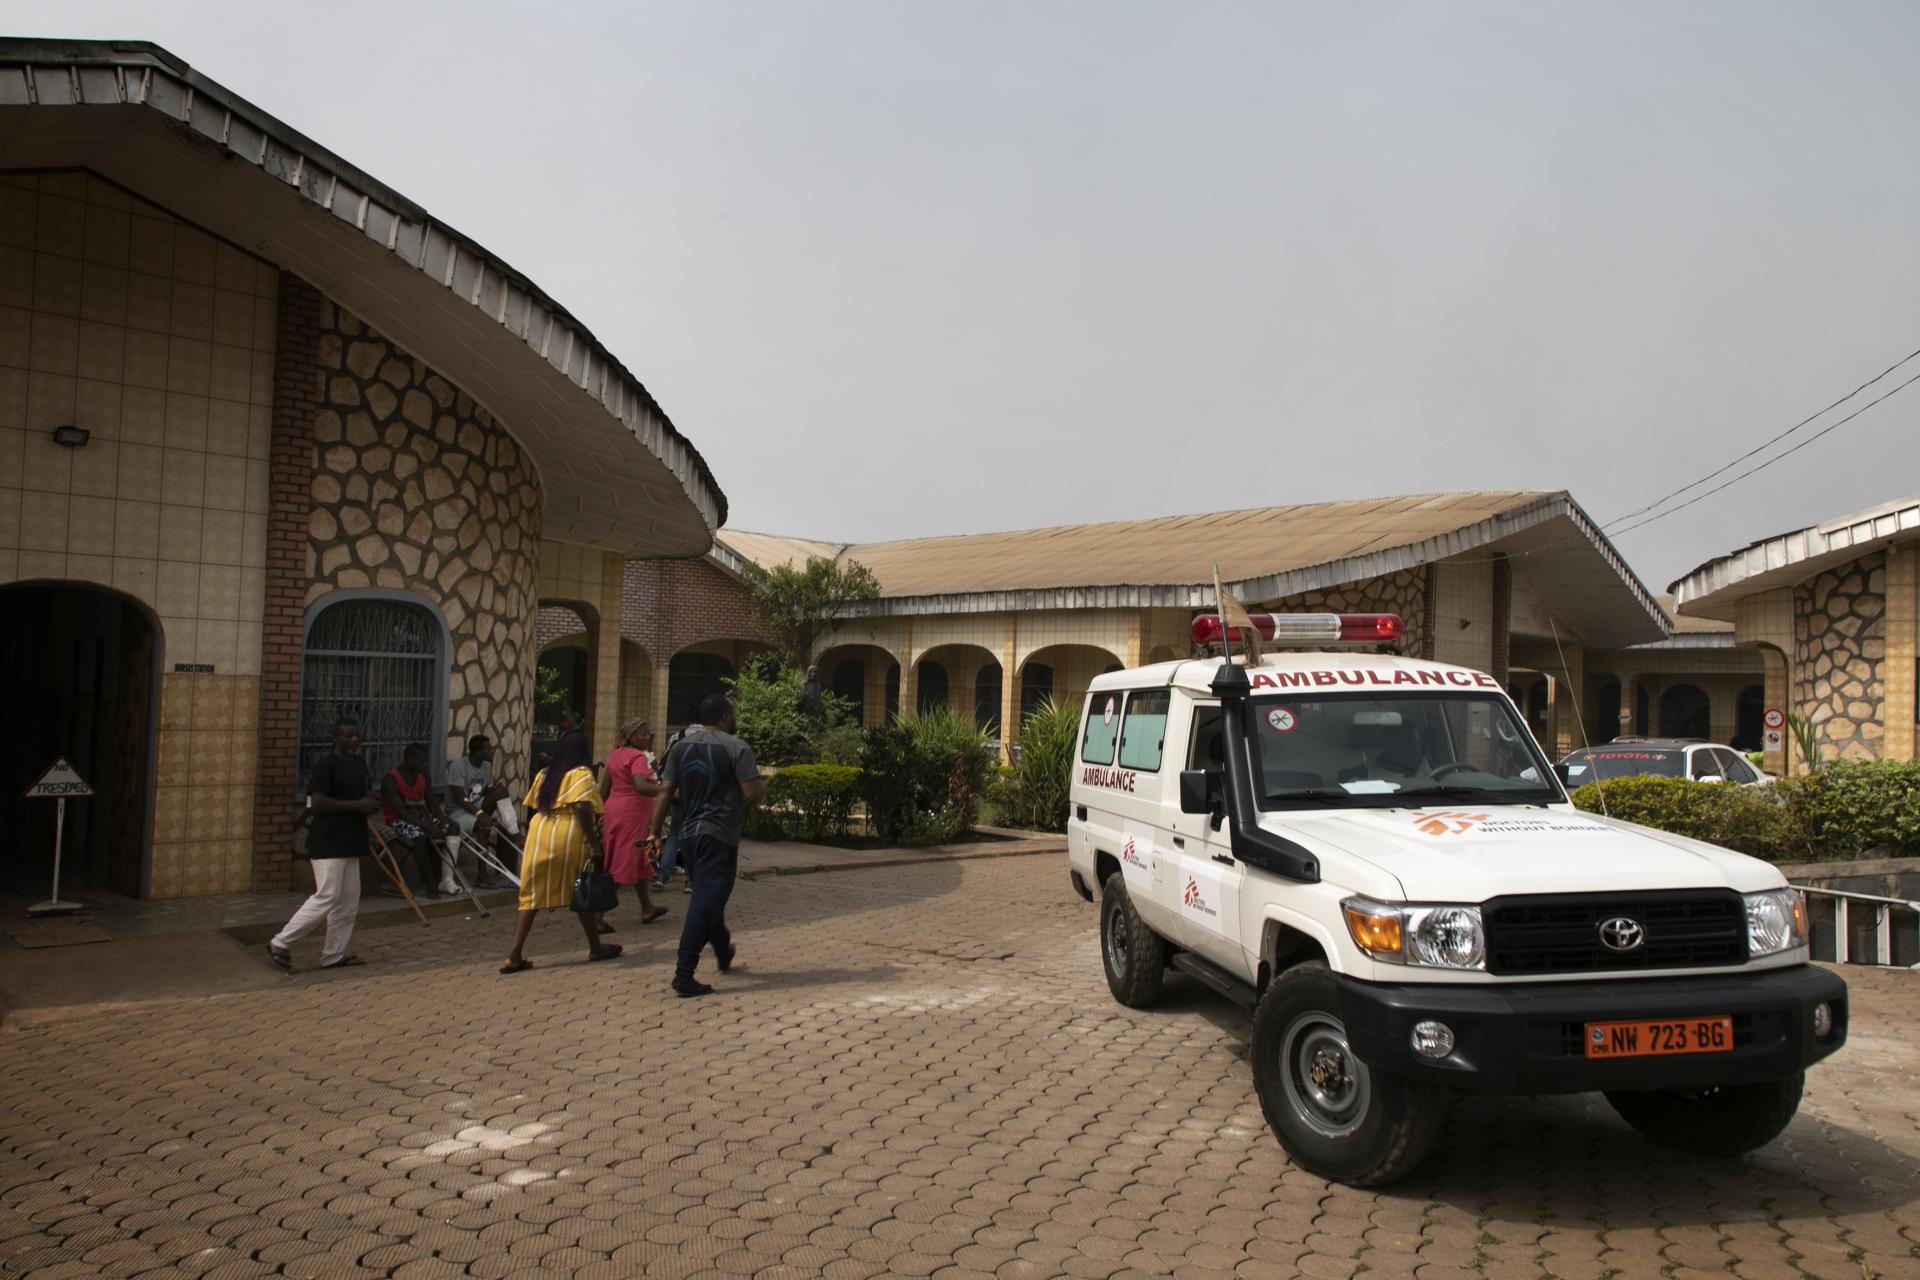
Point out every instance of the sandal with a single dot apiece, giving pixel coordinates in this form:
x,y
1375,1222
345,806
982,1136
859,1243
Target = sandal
x,y
281,957
516,966
343,962
607,952
653,915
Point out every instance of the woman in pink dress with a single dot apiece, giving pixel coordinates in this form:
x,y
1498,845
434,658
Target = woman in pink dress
x,y
629,789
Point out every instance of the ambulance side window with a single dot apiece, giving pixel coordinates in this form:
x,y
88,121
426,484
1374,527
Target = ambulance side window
x,y
1207,748
1102,728
1143,730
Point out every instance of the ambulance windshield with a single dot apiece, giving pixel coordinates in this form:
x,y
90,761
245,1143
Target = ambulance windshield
x,y
1356,750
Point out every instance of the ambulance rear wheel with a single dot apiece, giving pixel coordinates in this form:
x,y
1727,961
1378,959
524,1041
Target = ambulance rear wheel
x,y
1132,954
1335,1116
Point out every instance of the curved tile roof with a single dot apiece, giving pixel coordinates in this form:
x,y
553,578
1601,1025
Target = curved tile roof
x,y
616,472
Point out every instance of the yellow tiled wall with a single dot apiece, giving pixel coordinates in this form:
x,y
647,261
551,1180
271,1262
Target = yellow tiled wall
x,y
158,339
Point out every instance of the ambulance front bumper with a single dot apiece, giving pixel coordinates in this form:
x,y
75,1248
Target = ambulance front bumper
x,y
1533,1038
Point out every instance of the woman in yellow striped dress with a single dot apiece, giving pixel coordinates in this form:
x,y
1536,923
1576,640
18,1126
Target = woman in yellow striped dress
x,y
564,799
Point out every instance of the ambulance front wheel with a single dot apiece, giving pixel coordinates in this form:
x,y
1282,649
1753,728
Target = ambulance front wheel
x,y
1334,1115
1132,954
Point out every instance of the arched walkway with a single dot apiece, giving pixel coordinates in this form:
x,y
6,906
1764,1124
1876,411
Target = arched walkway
x,y
80,675
858,673
565,681
691,676
1685,712
959,667
1749,710
1062,672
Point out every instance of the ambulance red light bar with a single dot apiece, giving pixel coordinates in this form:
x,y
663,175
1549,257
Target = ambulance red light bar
x,y
1308,628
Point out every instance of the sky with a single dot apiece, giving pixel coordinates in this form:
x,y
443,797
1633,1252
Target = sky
x,y
901,270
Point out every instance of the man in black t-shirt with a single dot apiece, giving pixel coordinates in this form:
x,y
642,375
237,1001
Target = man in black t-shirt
x,y
340,796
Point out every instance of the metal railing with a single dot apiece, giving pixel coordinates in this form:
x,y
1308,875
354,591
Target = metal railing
x,y
1881,945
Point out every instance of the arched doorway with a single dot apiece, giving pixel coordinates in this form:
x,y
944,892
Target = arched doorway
x,y
79,666
932,683
691,676
849,681
1036,686
1749,710
1685,712
1604,719
986,699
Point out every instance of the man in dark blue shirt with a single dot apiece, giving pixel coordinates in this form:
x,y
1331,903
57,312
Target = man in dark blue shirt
x,y
714,777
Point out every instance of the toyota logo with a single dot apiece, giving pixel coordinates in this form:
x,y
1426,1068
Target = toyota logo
x,y
1622,934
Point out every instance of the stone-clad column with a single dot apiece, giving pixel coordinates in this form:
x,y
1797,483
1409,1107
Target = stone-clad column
x,y
1903,640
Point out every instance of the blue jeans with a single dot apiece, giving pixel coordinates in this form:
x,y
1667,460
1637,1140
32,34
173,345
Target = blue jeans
x,y
713,866
669,851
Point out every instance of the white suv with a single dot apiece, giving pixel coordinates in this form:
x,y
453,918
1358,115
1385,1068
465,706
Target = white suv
x,y
1373,854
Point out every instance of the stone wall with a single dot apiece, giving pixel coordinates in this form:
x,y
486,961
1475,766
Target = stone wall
x,y
417,489
1839,639
1404,593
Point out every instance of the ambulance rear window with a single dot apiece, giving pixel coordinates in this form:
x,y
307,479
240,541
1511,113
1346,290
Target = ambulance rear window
x,y
1144,730
1102,728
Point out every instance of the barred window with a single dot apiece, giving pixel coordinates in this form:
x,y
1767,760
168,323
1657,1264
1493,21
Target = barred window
x,y
377,661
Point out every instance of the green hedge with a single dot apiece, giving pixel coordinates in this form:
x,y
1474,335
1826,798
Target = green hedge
x,y
812,801
1846,810
1744,818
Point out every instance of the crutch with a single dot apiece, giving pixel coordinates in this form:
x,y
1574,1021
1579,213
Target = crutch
x,y
452,856
383,858
488,858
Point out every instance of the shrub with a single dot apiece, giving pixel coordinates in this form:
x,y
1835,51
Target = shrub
x,y
814,800
1033,793
922,776
1848,809
1748,819
766,699
840,744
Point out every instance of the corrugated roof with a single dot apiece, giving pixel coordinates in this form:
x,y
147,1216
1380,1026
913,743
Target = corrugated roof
x,y
1178,550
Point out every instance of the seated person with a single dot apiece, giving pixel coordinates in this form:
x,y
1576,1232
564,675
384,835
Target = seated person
x,y
411,807
472,795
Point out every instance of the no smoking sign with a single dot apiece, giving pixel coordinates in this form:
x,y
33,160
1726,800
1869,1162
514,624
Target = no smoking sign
x,y
1281,719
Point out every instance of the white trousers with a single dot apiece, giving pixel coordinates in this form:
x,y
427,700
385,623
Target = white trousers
x,y
336,899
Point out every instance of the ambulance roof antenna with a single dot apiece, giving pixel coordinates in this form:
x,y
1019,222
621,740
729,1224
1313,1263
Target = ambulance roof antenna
x,y
1581,721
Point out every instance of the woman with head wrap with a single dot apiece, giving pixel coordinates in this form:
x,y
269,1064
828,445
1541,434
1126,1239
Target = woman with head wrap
x,y
629,788
563,801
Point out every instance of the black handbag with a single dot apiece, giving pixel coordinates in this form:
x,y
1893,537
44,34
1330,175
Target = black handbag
x,y
594,890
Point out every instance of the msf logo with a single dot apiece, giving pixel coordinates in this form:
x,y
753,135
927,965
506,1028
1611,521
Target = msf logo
x,y
1191,899
1192,895
1448,822
1130,854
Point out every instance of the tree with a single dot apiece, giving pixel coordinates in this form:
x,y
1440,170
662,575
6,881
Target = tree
x,y
798,606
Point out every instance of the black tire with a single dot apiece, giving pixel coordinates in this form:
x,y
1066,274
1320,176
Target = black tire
x,y
1335,1116
1726,1120
1132,954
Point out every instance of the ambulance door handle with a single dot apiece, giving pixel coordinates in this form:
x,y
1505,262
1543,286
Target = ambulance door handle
x,y
1179,842
1221,857
1080,812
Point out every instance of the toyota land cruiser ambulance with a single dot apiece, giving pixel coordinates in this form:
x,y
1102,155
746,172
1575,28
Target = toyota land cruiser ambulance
x,y
1373,854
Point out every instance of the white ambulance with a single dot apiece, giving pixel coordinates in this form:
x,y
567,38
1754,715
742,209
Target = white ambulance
x,y
1373,854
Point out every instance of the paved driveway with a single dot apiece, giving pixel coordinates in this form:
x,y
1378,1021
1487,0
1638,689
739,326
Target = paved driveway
x,y
917,1072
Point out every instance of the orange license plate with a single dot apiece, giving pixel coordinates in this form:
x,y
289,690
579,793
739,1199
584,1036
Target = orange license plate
x,y
1712,1034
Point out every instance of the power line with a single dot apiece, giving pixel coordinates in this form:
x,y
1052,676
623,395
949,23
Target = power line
x,y
1754,471
1763,447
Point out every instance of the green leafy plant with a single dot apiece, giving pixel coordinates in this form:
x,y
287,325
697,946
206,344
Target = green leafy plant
x,y
799,605
766,699
814,800
552,703
922,776
1032,793
1806,743
1748,819
1853,808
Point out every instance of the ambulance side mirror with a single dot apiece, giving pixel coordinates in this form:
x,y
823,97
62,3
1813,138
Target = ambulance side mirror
x,y
1193,791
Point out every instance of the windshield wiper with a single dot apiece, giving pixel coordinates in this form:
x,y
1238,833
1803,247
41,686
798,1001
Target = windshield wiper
x,y
1454,791
1318,795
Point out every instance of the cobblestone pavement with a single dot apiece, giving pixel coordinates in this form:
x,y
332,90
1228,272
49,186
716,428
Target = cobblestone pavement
x,y
917,1071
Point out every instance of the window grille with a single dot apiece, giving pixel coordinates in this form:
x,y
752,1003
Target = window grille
x,y
377,661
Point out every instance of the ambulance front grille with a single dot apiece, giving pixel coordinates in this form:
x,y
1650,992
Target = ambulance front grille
x,y
1685,929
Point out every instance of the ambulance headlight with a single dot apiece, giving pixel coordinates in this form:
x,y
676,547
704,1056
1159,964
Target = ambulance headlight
x,y
1437,936
1776,922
